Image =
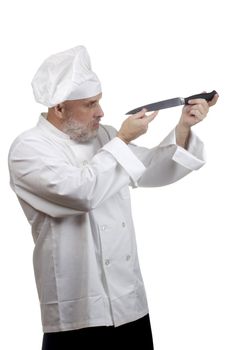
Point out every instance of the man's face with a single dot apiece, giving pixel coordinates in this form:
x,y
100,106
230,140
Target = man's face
x,y
81,118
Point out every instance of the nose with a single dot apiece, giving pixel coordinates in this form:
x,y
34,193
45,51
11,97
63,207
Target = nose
x,y
99,111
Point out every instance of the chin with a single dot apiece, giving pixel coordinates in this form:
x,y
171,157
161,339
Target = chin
x,y
85,137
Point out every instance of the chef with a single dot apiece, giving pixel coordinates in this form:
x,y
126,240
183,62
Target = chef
x,y
71,175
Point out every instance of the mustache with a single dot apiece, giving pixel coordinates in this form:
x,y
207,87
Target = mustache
x,y
98,119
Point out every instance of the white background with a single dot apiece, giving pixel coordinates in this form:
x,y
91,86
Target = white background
x,y
142,51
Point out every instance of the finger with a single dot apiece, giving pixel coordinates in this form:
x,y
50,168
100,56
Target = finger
x,y
203,108
197,101
154,113
197,114
151,116
140,114
187,108
214,100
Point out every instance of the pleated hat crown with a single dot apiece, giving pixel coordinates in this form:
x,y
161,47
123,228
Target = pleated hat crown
x,y
65,76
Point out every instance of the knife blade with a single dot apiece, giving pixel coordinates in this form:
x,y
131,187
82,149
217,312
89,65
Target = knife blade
x,y
173,102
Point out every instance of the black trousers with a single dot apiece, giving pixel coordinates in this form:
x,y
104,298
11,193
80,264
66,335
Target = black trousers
x,y
133,335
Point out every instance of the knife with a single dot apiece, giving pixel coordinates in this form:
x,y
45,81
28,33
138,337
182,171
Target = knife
x,y
173,102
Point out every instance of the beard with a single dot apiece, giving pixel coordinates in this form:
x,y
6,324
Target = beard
x,y
81,132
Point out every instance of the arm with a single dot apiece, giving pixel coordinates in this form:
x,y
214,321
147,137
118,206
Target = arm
x,y
168,162
42,177
181,151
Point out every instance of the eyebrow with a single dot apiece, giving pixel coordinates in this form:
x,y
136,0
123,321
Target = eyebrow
x,y
93,101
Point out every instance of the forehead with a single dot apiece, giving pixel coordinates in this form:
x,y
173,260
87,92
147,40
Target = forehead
x,y
94,98
83,101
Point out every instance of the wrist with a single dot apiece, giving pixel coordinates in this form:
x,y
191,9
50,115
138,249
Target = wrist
x,y
183,129
122,137
182,135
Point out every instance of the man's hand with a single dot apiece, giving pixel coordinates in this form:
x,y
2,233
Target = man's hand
x,y
135,125
192,114
196,111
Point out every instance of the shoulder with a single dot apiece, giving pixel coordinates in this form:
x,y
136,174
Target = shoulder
x,y
27,141
26,135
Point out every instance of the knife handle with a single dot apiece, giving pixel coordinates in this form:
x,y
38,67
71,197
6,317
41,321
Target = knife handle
x,y
208,96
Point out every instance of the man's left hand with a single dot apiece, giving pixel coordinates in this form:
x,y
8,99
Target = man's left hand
x,y
193,113
196,111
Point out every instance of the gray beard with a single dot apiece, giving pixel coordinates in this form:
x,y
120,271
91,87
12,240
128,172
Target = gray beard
x,y
78,131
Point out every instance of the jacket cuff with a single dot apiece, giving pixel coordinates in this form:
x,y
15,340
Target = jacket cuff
x,y
193,158
126,158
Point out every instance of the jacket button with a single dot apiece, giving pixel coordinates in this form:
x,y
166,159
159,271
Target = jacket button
x,y
103,227
107,262
123,224
128,257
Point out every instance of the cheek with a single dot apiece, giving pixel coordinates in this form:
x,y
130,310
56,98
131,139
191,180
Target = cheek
x,y
91,117
83,118
87,119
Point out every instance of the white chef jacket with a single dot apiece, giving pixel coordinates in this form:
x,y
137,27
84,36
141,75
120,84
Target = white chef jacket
x,y
77,201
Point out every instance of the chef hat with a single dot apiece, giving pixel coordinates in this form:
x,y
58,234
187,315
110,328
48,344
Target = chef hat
x,y
65,76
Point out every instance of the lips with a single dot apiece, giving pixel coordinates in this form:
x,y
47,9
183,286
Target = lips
x,y
96,124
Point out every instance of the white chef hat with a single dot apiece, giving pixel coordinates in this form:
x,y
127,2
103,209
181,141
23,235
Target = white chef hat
x,y
65,76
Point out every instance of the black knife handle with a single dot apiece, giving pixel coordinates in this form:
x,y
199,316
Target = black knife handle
x,y
208,96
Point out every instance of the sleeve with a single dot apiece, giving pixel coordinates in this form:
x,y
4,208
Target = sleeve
x,y
47,181
168,162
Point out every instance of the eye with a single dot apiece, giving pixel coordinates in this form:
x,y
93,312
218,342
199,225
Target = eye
x,y
92,104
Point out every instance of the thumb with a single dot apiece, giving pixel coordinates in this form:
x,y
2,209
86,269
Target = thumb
x,y
151,117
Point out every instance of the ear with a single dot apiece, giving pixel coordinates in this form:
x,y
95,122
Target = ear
x,y
59,110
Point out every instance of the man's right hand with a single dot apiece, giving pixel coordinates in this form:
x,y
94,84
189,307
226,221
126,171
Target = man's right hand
x,y
135,125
